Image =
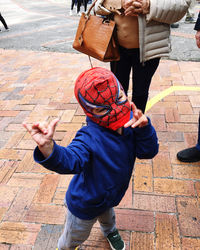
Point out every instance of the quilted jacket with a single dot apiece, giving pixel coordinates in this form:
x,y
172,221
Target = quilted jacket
x,y
154,28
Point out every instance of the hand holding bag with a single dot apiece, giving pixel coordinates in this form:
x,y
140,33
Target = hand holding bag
x,y
95,37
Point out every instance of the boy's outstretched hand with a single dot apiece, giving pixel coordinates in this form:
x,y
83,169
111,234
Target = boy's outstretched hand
x,y
138,120
42,133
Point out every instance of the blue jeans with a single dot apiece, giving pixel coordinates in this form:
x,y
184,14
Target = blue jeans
x,y
76,230
142,74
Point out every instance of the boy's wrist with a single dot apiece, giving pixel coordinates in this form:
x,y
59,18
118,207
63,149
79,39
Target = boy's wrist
x,y
47,148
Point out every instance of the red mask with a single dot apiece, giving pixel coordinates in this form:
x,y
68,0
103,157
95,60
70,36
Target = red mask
x,y
99,88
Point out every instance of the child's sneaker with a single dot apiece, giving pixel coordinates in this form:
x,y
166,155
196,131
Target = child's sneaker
x,y
115,241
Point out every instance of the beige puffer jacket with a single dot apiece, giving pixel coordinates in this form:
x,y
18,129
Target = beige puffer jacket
x,y
154,28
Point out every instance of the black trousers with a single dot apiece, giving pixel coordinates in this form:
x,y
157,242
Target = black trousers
x,y
141,74
3,22
79,2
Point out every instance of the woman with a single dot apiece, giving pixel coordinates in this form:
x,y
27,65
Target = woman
x,y
143,32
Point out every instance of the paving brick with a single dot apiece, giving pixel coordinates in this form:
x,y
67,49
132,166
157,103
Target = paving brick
x,y
162,165
9,113
26,164
4,247
67,115
170,136
59,196
189,216
18,233
190,139
48,237
183,127
45,214
15,127
189,118
6,171
167,232
197,187
174,187
184,108
14,140
127,201
69,135
79,119
21,247
143,178
144,241
26,144
47,189
190,244
25,180
157,203
172,115
9,154
186,172
134,220
68,126
20,205
7,195
2,212
64,181
158,122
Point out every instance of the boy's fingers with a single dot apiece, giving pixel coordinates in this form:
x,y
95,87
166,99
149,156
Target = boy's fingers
x,y
133,107
53,124
27,127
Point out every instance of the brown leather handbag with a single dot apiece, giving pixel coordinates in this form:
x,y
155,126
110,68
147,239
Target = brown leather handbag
x,y
95,37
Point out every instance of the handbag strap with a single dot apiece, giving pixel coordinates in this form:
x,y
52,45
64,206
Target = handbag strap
x,y
91,7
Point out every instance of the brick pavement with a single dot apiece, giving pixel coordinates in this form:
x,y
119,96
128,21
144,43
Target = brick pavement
x,y
161,209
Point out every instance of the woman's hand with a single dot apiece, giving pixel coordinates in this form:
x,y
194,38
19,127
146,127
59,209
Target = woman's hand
x,y
42,133
100,10
197,36
138,120
135,7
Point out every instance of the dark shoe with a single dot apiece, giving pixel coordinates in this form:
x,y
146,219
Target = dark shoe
x,y
174,25
115,241
189,19
189,155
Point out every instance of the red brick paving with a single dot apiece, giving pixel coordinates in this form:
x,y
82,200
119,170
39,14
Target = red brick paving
x,y
161,207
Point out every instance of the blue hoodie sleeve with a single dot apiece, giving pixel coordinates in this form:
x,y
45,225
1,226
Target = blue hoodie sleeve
x,y
146,141
67,160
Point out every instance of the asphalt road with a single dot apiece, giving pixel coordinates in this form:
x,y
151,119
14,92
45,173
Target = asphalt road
x,y
45,25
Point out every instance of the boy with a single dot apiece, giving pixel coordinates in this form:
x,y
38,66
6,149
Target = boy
x,y
101,156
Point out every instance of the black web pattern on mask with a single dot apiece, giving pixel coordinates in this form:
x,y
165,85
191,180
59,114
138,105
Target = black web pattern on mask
x,y
107,102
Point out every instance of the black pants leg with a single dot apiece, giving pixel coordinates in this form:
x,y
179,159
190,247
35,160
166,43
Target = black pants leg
x,y
3,22
141,74
72,5
79,5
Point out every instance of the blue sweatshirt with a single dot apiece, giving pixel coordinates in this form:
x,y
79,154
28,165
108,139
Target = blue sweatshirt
x,y
102,162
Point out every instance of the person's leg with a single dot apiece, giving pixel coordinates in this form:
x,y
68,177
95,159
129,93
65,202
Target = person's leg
x,y
78,6
191,154
108,228
107,222
3,22
142,75
72,5
122,68
76,231
191,12
198,141
85,5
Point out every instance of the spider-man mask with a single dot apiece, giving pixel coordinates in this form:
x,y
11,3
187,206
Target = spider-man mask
x,y
98,89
